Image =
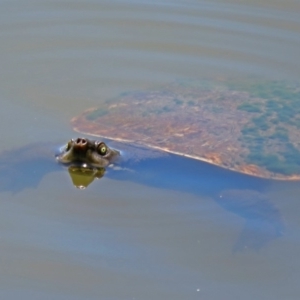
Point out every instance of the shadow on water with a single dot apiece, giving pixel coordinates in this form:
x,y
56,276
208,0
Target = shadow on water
x,y
240,194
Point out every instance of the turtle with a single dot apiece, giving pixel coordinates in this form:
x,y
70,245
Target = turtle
x,y
86,152
258,212
223,139
250,128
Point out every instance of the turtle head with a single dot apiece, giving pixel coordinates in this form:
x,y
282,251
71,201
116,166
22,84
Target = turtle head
x,y
85,152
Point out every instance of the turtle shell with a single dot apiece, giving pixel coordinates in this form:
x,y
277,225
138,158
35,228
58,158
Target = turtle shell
x,y
251,127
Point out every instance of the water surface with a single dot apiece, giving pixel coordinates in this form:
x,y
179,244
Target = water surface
x,y
167,238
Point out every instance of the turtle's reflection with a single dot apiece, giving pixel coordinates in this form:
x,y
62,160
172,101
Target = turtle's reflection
x,y
83,176
243,195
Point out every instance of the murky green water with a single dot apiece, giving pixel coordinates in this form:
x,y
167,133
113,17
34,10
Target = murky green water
x,y
123,239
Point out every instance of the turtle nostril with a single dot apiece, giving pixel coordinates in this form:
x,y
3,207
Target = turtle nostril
x,y
81,141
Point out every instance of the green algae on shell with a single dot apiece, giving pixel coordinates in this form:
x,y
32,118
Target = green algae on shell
x,y
250,127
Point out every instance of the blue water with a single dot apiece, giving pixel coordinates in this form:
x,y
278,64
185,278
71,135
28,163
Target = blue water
x,y
170,228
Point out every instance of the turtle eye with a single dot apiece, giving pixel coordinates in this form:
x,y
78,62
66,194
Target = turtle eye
x,y
68,146
102,149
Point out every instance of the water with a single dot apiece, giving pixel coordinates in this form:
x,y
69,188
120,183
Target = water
x,y
125,238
